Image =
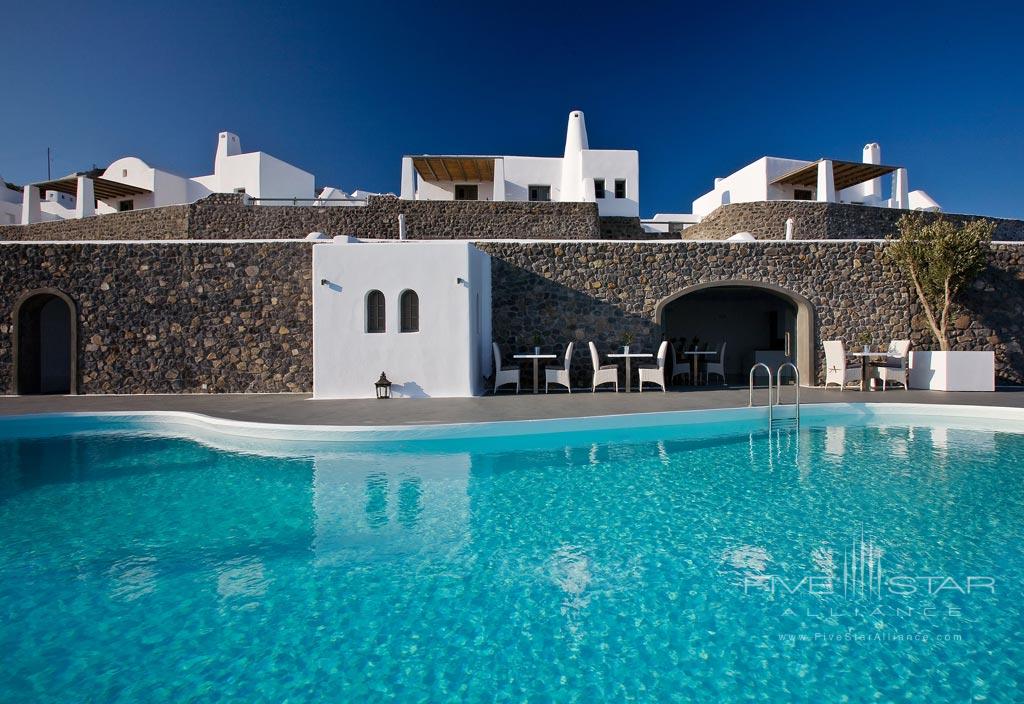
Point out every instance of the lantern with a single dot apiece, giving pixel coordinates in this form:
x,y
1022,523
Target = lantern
x,y
383,386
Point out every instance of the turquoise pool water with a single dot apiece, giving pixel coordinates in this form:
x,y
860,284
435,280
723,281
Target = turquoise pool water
x,y
651,566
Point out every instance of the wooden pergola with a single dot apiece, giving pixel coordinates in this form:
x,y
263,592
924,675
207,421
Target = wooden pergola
x,y
844,173
102,188
454,168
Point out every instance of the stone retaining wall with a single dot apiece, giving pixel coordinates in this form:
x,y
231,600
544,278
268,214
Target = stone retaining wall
x,y
213,317
813,220
599,291
228,216
164,318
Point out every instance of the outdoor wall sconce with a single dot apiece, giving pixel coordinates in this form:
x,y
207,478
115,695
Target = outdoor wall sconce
x,y
383,386
460,280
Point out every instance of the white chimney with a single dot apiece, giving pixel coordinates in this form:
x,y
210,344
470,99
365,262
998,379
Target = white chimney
x,y
227,145
573,188
872,190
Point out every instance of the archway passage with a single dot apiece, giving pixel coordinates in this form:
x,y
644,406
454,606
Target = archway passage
x,y
45,344
759,323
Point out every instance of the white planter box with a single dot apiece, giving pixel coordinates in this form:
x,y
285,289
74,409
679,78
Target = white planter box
x,y
953,371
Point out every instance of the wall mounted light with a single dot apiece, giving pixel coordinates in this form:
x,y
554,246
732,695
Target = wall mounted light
x,y
460,280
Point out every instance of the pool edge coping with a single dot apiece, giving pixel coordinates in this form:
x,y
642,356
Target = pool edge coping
x,y
170,420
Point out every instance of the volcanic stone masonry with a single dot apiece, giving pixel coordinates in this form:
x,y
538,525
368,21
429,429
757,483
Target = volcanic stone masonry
x,y
766,220
174,317
165,316
602,290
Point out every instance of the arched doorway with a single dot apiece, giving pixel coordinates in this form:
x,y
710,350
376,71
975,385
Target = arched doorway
x,y
759,321
45,343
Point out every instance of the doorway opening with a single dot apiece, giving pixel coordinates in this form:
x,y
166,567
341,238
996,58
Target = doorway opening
x,y
758,322
45,343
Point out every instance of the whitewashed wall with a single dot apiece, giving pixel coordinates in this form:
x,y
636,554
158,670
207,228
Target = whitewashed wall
x,y
449,354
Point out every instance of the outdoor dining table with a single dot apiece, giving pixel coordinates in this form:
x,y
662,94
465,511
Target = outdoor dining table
x,y
536,357
629,356
697,354
865,357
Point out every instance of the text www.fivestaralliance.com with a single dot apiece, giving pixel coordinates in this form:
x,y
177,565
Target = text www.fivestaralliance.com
x,y
877,637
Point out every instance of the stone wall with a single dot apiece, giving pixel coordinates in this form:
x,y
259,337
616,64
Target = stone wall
x,y
169,317
169,222
228,216
599,291
813,220
214,317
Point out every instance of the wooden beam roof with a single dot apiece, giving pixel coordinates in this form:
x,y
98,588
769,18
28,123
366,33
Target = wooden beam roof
x,y
455,168
102,188
845,173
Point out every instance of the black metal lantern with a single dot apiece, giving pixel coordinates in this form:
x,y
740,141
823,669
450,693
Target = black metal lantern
x,y
383,387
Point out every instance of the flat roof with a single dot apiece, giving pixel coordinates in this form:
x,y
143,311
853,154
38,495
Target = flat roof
x,y
102,187
454,168
845,173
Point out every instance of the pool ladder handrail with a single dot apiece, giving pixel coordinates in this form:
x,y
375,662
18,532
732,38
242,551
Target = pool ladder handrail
x,y
750,400
778,387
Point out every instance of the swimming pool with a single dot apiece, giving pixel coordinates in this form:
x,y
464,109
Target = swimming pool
x,y
865,555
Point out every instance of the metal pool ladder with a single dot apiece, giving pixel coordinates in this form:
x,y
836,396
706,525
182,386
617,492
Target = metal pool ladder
x,y
778,389
750,401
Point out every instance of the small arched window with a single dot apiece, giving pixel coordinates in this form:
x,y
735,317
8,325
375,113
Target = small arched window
x,y
375,312
410,306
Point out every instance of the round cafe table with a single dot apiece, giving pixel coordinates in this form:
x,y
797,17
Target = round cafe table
x,y
865,357
697,354
536,357
630,356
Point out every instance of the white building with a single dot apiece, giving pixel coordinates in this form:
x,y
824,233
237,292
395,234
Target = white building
x,y
418,311
608,177
130,184
824,180
10,203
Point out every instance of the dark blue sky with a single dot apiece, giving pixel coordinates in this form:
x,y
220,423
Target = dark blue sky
x,y
344,89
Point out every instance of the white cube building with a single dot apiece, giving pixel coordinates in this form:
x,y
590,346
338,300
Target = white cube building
x,y
608,177
418,311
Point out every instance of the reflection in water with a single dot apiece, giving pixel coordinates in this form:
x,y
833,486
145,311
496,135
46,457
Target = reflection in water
x,y
376,500
241,581
410,495
432,572
368,502
133,577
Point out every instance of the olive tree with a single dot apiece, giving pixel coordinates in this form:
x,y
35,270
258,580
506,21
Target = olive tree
x,y
940,258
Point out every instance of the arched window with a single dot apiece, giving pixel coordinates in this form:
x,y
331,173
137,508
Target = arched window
x,y
410,305
375,311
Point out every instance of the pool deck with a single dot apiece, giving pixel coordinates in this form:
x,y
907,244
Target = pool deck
x,y
301,409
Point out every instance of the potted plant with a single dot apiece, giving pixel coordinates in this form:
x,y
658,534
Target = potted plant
x,y
627,340
536,344
864,339
941,259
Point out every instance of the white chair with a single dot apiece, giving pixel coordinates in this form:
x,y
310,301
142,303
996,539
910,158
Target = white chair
x,y
603,374
679,368
894,368
716,367
560,376
654,373
503,375
837,369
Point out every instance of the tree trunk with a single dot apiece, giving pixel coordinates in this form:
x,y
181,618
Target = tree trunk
x,y
938,331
